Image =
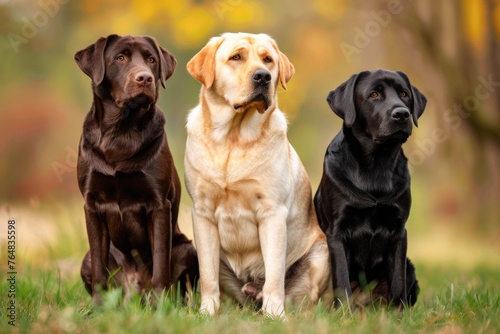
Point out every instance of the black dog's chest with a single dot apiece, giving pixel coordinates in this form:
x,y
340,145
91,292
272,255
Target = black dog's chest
x,y
371,232
389,218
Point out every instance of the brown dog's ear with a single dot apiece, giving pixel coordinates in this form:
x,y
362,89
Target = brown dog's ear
x,y
285,67
419,100
167,64
91,59
202,65
342,100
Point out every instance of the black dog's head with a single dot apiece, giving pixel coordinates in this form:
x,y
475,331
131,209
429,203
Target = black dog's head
x,y
127,68
378,104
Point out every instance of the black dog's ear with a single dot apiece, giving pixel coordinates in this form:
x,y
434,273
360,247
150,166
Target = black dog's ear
x,y
419,100
167,61
342,102
91,59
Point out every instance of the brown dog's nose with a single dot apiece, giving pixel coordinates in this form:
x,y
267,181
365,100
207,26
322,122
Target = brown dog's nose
x,y
261,77
143,79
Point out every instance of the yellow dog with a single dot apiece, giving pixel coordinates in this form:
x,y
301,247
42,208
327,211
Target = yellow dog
x,y
254,222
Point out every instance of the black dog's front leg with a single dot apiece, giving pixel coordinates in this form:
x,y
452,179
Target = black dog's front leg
x,y
98,235
340,270
397,276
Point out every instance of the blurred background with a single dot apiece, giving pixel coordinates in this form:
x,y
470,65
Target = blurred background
x,y
449,49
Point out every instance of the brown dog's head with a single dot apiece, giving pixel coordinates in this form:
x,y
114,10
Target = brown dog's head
x,y
127,68
243,69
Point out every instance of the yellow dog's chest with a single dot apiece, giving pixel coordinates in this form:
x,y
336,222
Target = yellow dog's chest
x,y
235,204
236,216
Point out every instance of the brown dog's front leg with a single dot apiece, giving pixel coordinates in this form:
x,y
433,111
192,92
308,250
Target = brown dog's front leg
x,y
160,236
99,251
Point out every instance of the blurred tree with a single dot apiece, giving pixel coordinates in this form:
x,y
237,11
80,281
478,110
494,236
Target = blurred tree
x,y
466,58
477,52
444,46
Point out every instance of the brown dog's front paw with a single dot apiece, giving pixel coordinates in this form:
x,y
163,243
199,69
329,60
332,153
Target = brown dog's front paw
x,y
156,295
160,292
96,299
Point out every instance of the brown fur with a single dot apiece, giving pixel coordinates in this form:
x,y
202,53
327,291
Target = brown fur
x,y
126,173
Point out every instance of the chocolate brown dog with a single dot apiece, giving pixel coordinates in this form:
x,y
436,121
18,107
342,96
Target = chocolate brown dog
x,y
126,172
364,198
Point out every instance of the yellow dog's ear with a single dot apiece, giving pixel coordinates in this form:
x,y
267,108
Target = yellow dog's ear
x,y
285,67
202,65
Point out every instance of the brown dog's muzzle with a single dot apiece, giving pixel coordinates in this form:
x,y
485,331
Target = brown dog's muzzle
x,y
143,79
140,89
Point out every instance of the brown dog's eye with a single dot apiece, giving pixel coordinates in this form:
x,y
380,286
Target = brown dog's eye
x,y
403,94
236,57
373,94
152,60
120,58
268,59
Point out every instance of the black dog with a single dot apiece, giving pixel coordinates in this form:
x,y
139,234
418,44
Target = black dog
x,y
364,199
126,172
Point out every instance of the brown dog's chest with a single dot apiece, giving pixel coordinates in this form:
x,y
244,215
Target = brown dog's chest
x,y
125,189
123,201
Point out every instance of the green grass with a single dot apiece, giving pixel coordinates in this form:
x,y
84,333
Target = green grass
x,y
450,300
50,297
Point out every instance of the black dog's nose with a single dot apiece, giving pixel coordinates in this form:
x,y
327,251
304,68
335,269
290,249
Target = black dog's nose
x,y
143,79
261,77
400,114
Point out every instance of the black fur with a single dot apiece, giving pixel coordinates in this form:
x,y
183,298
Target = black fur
x,y
364,199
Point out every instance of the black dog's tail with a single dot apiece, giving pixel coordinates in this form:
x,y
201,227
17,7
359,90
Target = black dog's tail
x,y
412,288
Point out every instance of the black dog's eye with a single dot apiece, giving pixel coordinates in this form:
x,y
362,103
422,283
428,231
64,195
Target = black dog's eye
x,y
268,59
404,94
120,58
236,57
374,94
152,60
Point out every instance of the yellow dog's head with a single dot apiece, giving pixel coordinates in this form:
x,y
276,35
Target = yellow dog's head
x,y
243,69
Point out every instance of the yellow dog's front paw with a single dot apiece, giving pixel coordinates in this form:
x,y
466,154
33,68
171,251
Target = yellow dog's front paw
x,y
208,307
273,308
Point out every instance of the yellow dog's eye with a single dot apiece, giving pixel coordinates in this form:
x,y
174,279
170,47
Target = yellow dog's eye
x,y
373,94
152,60
236,57
268,59
403,94
120,58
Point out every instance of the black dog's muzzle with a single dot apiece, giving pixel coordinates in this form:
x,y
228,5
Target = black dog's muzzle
x,y
400,114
